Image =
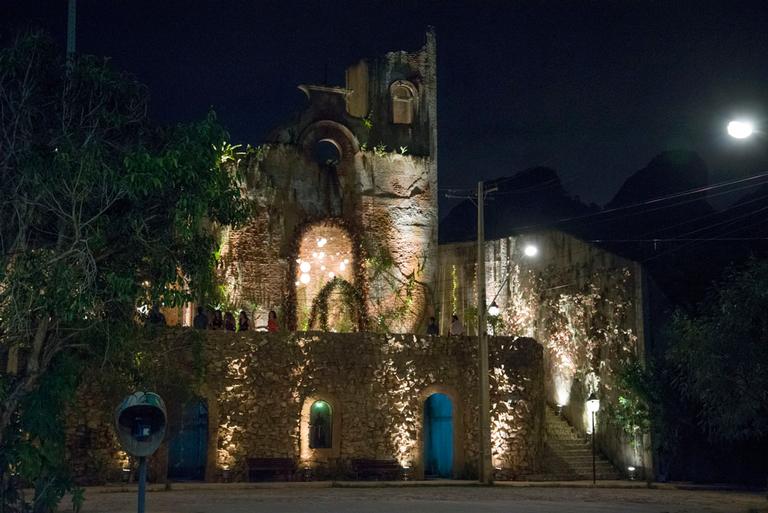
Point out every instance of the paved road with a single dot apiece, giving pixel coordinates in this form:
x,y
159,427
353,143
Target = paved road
x,y
428,500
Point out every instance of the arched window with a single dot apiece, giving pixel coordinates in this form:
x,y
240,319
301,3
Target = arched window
x,y
403,102
320,425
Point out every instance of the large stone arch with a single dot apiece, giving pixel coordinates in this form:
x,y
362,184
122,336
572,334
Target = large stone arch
x,y
359,281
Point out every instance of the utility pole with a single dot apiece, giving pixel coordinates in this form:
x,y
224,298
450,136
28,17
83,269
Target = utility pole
x,y
71,29
484,465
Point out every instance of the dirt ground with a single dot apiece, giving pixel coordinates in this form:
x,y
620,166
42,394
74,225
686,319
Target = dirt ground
x,y
305,499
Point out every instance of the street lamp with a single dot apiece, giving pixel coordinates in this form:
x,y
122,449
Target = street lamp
x,y
740,129
593,405
493,312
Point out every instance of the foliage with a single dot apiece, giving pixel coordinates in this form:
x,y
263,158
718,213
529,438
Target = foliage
x,y
102,211
352,298
368,121
631,412
380,150
401,289
34,450
718,355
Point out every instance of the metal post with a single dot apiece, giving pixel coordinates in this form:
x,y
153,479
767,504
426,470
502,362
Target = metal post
x,y
142,482
71,28
484,465
594,432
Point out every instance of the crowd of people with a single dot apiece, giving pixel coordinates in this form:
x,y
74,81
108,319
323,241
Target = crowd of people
x,y
218,321
226,321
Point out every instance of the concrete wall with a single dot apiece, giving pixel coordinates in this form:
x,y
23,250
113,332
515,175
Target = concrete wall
x,y
258,387
582,303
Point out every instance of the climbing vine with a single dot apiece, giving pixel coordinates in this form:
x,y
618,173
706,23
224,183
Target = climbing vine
x,y
351,297
358,264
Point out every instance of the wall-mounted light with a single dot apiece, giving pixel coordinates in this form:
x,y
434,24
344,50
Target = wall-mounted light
x,y
531,250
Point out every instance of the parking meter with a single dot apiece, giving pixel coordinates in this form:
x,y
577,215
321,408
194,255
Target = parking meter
x,y
140,421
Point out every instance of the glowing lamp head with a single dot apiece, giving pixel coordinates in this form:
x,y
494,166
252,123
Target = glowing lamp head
x,y
593,403
493,310
530,250
740,129
304,278
305,267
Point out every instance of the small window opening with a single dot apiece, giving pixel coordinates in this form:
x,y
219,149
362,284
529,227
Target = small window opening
x,y
327,153
320,417
402,104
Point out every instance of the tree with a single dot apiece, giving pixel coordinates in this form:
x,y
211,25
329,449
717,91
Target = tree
x,y
719,355
101,211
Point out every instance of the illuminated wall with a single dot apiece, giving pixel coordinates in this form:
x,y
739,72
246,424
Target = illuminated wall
x,y
260,387
344,160
582,303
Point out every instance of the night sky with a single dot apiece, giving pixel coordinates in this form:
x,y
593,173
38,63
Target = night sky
x,y
591,89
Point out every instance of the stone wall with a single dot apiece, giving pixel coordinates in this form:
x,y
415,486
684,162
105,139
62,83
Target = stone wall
x,y
381,188
258,387
582,303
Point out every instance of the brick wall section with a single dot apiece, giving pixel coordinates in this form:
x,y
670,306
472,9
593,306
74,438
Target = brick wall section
x,y
256,385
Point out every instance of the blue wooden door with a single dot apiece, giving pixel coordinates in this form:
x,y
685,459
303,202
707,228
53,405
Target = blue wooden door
x,y
187,451
438,436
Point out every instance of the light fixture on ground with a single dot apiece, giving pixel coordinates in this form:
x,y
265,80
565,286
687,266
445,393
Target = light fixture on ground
x,y
740,129
593,405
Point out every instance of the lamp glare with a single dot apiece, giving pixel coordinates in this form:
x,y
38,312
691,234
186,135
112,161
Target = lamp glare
x,y
530,250
740,129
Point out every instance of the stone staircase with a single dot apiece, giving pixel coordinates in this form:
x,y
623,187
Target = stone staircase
x,y
568,456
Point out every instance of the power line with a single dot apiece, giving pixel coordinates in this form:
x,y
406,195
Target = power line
x,y
655,201
681,239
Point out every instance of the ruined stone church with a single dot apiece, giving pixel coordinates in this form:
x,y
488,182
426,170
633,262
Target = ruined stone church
x,y
344,248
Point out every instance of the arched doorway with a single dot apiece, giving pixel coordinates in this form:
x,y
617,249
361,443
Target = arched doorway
x,y
325,257
438,436
188,449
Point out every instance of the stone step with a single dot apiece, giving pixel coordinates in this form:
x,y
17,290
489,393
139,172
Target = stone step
x,y
568,455
569,477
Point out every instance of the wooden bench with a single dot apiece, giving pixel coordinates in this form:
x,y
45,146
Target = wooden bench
x,y
384,470
271,469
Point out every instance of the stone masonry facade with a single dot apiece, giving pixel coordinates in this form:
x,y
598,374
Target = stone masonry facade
x,y
378,183
257,387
